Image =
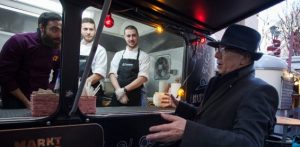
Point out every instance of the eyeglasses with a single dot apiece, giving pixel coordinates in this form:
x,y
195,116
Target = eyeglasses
x,y
221,49
226,49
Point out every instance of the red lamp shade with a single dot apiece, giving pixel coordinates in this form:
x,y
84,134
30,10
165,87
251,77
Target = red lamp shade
x,y
202,40
109,21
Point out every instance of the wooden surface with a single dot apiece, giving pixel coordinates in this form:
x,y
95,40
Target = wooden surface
x,y
287,121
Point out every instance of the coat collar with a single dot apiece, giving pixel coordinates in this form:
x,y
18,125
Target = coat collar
x,y
228,82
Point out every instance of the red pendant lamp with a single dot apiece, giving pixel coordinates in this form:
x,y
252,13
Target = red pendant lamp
x,y
109,21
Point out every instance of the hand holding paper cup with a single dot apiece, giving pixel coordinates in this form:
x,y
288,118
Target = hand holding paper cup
x,y
161,100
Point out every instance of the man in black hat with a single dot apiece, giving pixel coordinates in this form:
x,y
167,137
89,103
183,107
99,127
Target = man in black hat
x,y
237,110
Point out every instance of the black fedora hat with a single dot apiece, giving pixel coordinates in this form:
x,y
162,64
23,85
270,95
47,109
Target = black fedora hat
x,y
241,38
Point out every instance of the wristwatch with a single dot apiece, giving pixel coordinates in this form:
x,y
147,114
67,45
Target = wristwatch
x,y
125,90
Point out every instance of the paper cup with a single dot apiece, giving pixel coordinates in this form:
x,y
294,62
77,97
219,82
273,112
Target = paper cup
x,y
174,88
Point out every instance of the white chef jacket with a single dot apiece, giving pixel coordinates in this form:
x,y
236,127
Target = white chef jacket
x,y
144,61
99,63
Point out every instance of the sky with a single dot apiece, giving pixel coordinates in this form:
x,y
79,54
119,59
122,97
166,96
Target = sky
x,y
269,17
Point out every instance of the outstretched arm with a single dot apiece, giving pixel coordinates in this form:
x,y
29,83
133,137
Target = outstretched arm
x,y
20,95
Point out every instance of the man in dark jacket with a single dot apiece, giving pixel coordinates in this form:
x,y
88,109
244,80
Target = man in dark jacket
x,y
237,110
26,61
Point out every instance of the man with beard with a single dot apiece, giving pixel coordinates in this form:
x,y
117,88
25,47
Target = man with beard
x,y
27,59
129,71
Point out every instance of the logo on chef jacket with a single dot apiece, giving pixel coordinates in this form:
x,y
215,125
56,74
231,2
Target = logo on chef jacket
x,y
39,142
55,58
127,64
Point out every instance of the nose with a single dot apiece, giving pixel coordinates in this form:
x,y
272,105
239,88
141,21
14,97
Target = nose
x,y
131,37
88,31
218,54
58,36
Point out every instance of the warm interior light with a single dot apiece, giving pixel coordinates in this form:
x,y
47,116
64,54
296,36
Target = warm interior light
x,y
109,21
159,29
202,40
199,41
19,11
50,5
180,92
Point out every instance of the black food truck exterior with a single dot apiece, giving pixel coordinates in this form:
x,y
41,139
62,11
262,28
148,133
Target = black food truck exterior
x,y
124,126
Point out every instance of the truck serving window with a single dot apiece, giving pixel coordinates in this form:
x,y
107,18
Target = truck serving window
x,y
166,60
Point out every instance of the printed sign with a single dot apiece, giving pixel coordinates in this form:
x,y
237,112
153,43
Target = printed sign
x,y
83,135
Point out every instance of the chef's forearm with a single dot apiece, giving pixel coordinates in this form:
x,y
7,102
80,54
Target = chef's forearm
x,y
94,78
114,81
140,80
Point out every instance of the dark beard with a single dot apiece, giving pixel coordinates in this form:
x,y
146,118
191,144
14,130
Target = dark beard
x,y
46,40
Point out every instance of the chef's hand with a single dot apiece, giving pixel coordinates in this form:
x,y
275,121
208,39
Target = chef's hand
x,y
120,92
169,132
124,99
89,80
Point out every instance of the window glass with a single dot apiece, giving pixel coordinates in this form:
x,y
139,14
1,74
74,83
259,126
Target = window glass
x,y
165,51
18,18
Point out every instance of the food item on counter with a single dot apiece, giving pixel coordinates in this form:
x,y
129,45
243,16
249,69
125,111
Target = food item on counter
x,y
43,103
87,104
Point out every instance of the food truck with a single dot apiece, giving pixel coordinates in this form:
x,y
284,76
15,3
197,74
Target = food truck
x,y
179,56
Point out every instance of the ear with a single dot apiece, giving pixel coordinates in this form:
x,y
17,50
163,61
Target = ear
x,y
42,28
245,60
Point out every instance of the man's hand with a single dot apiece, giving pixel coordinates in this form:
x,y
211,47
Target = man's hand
x,y
120,92
172,131
164,100
124,99
20,95
28,105
174,101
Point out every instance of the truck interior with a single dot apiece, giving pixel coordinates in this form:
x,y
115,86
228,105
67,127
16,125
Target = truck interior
x,y
178,52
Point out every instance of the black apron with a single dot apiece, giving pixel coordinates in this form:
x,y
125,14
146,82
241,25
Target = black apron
x,y
82,63
127,72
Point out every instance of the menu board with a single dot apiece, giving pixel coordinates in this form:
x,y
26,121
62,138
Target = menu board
x,y
286,95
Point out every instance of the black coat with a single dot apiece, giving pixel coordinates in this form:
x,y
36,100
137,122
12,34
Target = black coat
x,y
238,112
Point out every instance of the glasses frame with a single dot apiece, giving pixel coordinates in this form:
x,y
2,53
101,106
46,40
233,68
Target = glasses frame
x,y
223,49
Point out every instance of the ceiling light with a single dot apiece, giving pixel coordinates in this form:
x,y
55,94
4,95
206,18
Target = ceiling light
x,y
202,40
19,11
109,21
159,29
44,4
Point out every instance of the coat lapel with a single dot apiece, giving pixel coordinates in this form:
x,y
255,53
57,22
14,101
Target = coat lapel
x,y
217,94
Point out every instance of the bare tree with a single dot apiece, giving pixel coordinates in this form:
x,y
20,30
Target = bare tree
x,y
289,25
264,31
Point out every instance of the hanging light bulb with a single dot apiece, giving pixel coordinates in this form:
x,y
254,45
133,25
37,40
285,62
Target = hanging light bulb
x,y
159,29
202,40
180,92
109,21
